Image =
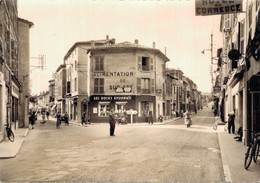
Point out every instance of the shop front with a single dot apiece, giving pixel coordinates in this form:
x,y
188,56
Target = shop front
x,y
101,105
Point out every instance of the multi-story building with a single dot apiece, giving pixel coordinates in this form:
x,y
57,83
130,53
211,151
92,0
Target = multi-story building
x,y
177,91
24,70
51,95
60,90
239,69
77,63
13,66
127,76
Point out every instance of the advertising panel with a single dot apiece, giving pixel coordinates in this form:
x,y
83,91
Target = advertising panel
x,y
217,7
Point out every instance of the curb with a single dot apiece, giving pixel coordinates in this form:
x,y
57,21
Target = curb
x,y
227,173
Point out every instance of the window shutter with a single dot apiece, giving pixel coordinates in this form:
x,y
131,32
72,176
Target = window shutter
x,y
151,64
101,62
96,85
101,80
139,63
152,85
96,63
139,88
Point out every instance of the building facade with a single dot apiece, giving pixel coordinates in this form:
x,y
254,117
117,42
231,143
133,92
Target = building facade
x,y
129,77
13,66
77,63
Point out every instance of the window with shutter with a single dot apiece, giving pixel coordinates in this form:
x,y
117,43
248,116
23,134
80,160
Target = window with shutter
x,y
139,88
99,85
99,63
139,63
152,85
151,64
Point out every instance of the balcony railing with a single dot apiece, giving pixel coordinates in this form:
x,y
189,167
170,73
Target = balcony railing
x,y
145,68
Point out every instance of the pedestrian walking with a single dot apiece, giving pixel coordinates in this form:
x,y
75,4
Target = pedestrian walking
x,y
112,122
66,118
83,118
32,119
231,122
47,115
43,117
150,117
58,116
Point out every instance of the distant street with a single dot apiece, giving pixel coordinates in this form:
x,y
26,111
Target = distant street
x,y
138,153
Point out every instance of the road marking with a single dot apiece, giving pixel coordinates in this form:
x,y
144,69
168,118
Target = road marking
x,y
226,169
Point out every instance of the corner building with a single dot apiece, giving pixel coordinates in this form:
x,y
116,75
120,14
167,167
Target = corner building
x,y
127,76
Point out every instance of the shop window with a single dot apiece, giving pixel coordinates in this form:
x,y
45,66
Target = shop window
x,y
103,109
99,63
120,107
145,107
99,85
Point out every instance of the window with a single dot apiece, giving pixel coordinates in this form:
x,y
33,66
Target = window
x,y
145,63
227,21
76,65
103,108
145,85
99,85
145,82
99,64
76,84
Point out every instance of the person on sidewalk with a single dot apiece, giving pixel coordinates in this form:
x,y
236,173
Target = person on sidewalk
x,y
112,122
43,117
231,122
83,118
150,117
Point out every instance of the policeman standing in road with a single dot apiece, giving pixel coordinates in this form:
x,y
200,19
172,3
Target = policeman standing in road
x,y
112,122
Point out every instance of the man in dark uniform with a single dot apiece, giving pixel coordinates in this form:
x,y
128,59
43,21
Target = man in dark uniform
x,y
112,122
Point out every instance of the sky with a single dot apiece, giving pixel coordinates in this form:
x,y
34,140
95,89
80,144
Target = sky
x,y
171,24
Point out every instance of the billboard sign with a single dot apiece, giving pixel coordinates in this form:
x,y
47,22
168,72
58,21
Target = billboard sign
x,y
217,7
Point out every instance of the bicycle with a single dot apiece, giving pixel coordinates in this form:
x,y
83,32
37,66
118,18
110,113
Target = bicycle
x,y
252,151
9,132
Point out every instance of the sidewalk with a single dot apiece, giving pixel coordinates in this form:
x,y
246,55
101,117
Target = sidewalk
x,y
10,149
233,154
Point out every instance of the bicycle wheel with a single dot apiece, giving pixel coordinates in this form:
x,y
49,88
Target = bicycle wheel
x,y
248,157
11,136
256,152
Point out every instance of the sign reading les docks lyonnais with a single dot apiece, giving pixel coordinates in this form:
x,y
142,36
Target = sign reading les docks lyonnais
x,y
216,7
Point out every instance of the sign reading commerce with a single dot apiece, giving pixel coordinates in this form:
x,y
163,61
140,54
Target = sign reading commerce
x,y
216,7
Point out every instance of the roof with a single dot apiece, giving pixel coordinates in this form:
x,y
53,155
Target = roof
x,y
88,43
127,46
26,21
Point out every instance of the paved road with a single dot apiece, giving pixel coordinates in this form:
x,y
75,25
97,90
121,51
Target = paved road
x,y
138,153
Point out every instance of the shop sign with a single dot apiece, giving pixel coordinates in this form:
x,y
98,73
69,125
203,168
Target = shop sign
x,y
217,7
131,111
1,78
124,90
110,98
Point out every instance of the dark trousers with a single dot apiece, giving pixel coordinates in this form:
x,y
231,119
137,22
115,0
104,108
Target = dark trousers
x,y
112,128
231,125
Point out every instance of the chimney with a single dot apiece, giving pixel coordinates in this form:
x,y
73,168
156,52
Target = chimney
x,y
136,41
153,44
107,37
92,43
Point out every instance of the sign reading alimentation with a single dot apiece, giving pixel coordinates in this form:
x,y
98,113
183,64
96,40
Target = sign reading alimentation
x,y
217,7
